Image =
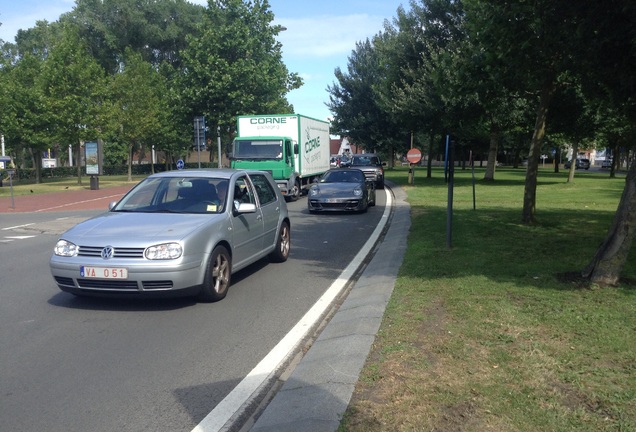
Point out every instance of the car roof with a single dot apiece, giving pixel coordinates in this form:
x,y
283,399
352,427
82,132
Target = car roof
x,y
223,173
344,169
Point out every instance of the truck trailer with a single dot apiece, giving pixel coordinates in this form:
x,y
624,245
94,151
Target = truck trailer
x,y
292,147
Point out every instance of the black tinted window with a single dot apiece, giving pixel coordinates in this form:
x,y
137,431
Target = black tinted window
x,y
264,189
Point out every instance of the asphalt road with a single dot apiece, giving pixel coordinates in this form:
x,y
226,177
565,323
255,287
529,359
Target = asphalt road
x,y
78,364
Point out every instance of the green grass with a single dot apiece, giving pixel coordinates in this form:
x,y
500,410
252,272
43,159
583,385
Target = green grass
x,y
497,332
50,185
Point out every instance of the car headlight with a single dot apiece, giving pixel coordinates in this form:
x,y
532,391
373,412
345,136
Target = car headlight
x,y
379,172
314,192
164,251
65,248
357,192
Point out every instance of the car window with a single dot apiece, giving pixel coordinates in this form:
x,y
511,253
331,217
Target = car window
x,y
243,192
264,189
176,195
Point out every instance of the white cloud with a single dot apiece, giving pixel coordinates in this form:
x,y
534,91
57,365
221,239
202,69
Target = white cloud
x,y
325,36
14,17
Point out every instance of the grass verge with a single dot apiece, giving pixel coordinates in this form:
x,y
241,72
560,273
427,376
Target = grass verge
x,y
497,332
50,185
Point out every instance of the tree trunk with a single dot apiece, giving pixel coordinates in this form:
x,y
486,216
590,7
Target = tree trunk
x,y
530,191
130,159
492,152
78,159
610,258
429,161
36,156
575,152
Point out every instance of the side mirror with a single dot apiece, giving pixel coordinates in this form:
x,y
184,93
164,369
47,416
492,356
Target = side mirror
x,y
241,208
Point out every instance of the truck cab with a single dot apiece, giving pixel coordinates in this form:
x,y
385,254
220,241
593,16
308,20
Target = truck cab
x,y
275,155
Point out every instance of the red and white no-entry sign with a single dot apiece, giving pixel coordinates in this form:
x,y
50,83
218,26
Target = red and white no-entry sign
x,y
414,155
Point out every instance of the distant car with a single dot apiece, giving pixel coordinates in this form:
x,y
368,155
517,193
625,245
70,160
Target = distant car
x,y
176,233
370,164
341,189
580,164
607,164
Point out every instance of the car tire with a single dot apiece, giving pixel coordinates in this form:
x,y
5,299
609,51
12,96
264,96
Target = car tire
x,y
295,192
283,244
217,276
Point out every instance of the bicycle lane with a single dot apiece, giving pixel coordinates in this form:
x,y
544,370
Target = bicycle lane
x,y
86,199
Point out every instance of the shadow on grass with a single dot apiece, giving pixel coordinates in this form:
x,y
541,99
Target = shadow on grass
x,y
493,244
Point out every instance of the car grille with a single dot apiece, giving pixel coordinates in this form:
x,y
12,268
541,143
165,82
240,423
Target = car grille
x,y
157,285
370,175
108,284
346,204
96,251
66,281
118,285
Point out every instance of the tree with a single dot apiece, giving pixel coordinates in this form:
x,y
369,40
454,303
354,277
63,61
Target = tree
x,y
24,117
155,29
71,81
575,118
235,66
547,34
610,258
354,103
610,64
136,108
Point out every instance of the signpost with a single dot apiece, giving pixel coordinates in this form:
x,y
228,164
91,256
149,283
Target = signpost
x,y
11,172
199,136
94,156
413,156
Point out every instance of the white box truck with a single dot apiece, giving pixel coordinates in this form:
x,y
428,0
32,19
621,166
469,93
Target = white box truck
x,y
292,147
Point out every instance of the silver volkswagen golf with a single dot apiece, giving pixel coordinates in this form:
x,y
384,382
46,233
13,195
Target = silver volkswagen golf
x,y
176,233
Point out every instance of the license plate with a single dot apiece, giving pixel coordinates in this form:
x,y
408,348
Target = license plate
x,y
332,200
104,272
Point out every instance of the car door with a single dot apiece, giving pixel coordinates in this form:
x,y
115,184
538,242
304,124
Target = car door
x,y
270,207
247,227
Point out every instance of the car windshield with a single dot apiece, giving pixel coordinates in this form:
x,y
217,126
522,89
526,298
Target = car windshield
x,y
365,160
258,149
175,195
343,176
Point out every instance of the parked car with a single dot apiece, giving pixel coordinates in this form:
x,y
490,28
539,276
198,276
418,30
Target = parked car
x,y
176,233
370,164
580,164
341,189
607,164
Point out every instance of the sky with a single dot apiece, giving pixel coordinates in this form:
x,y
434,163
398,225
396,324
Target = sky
x,y
320,36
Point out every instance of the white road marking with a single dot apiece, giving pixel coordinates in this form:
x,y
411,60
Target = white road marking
x,y
223,412
79,202
17,226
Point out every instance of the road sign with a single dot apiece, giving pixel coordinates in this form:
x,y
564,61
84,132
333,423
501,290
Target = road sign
x,y
414,155
4,160
180,164
199,133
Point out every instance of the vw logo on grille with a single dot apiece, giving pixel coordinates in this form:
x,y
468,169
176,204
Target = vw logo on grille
x,y
107,252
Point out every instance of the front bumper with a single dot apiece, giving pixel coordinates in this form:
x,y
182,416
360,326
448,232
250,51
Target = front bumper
x,y
345,204
147,279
